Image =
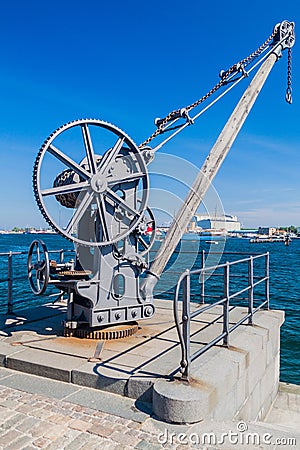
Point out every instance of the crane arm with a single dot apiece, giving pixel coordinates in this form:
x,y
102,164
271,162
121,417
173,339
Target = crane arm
x,y
213,163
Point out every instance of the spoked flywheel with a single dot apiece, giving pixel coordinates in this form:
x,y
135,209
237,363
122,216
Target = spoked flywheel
x,y
90,167
38,267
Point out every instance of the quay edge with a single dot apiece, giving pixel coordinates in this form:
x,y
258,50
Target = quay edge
x,y
235,383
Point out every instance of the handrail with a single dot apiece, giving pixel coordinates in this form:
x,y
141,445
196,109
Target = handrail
x,y
183,326
10,278
212,268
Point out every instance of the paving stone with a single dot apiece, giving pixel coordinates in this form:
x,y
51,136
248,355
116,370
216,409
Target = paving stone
x,y
9,437
24,408
5,414
78,408
94,443
59,419
145,445
100,430
41,428
122,447
10,403
41,442
29,447
27,424
124,438
81,439
97,421
12,421
79,416
101,415
63,440
79,425
19,444
122,421
53,432
40,413
135,425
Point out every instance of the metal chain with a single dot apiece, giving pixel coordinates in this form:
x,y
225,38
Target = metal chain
x,y
235,68
288,95
62,179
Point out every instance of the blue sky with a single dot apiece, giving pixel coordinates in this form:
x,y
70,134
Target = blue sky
x,y
129,62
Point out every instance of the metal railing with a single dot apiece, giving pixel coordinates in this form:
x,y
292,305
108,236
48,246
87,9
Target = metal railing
x,y
228,279
11,279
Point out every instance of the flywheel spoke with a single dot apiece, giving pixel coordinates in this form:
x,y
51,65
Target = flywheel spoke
x,y
68,162
67,189
89,148
101,212
111,155
143,242
84,204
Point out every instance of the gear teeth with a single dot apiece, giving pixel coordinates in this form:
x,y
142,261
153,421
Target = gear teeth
x,y
105,334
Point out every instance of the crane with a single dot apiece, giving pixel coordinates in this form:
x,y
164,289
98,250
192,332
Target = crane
x,y
91,184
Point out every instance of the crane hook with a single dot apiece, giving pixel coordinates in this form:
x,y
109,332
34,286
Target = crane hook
x,y
288,95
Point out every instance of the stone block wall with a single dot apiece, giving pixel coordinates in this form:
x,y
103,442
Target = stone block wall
x,y
239,382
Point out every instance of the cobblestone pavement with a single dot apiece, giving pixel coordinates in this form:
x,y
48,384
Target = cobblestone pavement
x,y
31,421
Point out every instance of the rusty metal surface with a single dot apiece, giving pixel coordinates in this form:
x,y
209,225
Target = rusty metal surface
x,y
75,273
104,334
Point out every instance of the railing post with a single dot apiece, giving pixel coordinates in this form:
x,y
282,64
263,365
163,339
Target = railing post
x,y
251,290
267,282
61,260
186,319
9,284
202,277
226,306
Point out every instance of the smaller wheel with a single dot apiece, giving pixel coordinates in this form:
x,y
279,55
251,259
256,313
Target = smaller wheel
x,y
147,229
38,267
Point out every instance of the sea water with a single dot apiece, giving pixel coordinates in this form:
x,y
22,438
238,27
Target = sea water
x,y
284,280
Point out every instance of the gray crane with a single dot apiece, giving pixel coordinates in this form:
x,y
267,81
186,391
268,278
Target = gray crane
x,y
91,184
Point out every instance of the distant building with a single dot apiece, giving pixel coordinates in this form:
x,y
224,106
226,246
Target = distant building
x,y
225,222
269,231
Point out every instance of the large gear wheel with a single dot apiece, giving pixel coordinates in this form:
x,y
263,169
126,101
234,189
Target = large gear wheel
x,y
104,334
99,161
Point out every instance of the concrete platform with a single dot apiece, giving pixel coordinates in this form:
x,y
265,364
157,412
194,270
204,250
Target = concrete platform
x,y
146,366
